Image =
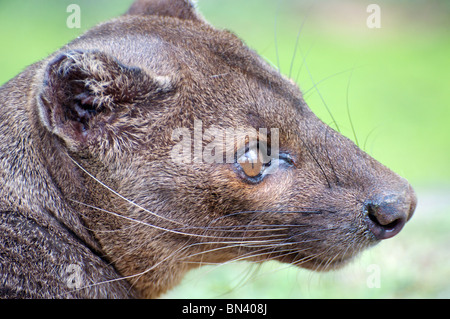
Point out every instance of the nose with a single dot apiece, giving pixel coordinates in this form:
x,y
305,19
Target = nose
x,y
389,213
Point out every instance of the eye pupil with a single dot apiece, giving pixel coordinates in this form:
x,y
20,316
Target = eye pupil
x,y
251,169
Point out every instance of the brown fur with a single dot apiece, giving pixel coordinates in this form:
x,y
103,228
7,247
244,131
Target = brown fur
x,y
86,174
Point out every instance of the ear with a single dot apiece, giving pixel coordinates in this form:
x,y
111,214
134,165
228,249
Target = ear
x,y
182,9
82,90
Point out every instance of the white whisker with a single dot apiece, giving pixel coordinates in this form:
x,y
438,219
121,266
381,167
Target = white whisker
x,y
166,229
122,197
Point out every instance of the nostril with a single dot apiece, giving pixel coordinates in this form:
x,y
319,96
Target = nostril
x,y
373,212
391,226
385,220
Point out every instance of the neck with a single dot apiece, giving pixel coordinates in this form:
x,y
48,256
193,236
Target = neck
x,y
30,164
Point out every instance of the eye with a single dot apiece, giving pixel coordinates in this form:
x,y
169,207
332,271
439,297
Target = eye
x,y
255,164
251,163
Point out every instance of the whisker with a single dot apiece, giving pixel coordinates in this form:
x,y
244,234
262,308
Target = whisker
x,y
295,47
120,196
316,161
157,227
305,92
138,275
348,109
270,211
215,249
242,257
317,230
328,156
320,94
219,75
130,276
249,274
151,268
275,38
231,229
215,264
368,135
303,63
250,254
307,259
101,230
128,218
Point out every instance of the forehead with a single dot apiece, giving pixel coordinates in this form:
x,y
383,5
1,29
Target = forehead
x,y
221,74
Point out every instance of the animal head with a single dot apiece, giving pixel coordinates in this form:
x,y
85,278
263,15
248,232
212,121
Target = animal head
x,y
187,148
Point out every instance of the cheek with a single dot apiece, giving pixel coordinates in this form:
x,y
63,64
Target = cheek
x,y
274,191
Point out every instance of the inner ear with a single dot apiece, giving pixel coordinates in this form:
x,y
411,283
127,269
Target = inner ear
x,y
182,9
81,89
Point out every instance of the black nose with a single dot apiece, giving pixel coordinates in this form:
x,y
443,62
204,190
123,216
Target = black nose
x,y
388,214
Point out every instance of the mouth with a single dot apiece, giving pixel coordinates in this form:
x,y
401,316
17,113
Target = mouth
x,y
328,254
318,263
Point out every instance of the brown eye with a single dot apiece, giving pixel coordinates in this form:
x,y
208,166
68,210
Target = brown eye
x,y
253,166
252,169
251,163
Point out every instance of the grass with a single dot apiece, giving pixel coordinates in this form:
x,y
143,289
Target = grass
x,y
393,81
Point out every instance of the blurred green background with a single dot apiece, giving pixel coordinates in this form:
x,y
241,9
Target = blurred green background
x,y
394,81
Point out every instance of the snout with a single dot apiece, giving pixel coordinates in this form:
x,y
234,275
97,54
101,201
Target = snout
x,y
386,214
